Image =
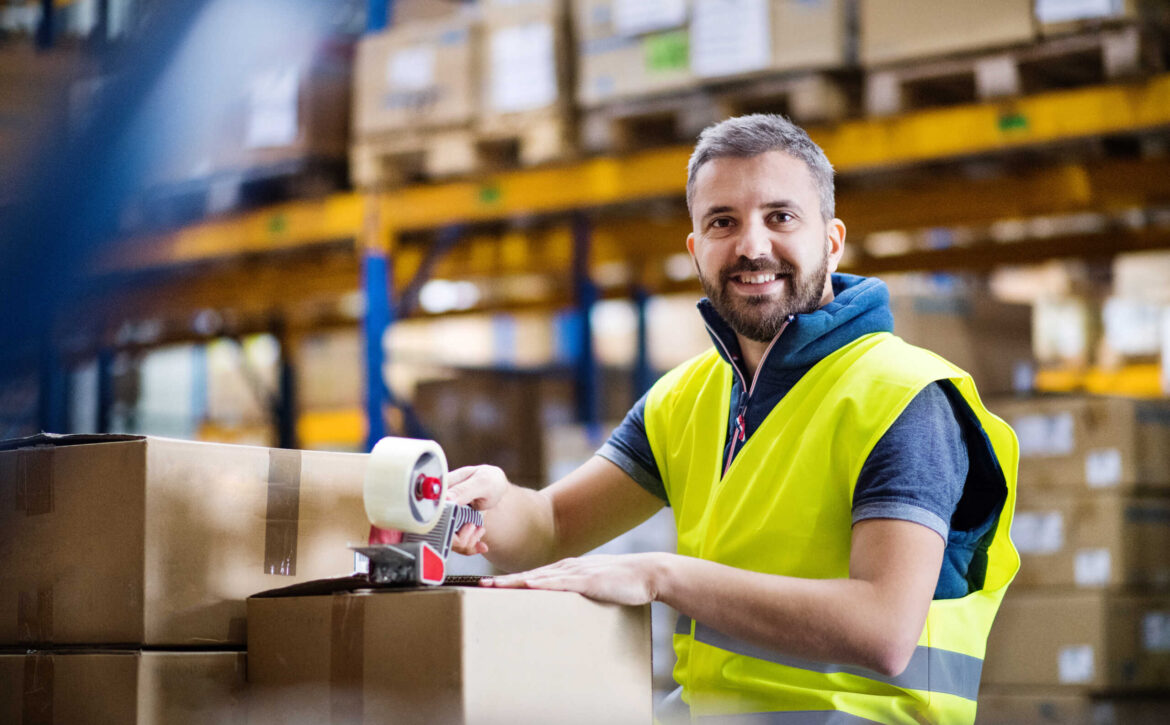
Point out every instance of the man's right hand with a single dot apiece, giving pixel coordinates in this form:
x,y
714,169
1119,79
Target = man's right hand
x,y
481,488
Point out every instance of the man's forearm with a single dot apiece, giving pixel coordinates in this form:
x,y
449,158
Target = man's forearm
x,y
845,621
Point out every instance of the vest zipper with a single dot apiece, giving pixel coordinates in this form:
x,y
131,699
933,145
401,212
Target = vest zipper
x,y
740,435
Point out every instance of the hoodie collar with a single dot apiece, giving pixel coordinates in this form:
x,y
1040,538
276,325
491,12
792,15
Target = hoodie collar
x,y
860,306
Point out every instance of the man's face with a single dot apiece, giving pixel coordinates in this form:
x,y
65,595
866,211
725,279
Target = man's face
x,y
760,244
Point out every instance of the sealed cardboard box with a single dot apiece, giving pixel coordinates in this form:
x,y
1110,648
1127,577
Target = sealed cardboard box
x,y
415,75
1093,541
448,655
1085,444
142,540
896,30
123,688
1085,641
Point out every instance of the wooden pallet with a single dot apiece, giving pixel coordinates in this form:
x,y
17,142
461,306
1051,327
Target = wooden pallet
x,y
1054,63
526,139
806,98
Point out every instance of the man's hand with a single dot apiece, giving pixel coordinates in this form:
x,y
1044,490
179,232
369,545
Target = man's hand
x,y
481,488
621,579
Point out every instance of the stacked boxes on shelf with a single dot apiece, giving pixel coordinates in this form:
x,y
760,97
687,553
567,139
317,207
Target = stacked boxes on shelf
x,y
526,104
668,69
125,562
1085,628
415,97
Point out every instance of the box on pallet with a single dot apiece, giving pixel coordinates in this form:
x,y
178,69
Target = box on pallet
x,y
1085,641
150,541
123,688
448,655
1028,706
990,340
1106,541
527,79
1077,444
890,31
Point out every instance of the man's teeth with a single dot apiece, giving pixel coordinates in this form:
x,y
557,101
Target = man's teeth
x,y
757,278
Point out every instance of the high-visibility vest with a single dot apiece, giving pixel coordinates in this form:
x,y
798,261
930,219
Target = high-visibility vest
x,y
785,507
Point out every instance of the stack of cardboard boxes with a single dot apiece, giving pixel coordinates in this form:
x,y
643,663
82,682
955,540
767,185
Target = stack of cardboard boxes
x,y
1084,631
125,563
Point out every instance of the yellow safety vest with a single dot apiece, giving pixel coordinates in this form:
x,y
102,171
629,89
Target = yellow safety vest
x,y
785,507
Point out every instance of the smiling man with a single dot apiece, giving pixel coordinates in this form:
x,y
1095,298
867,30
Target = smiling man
x,y
843,499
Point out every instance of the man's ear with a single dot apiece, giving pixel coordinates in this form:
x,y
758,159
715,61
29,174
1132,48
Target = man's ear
x,y
691,244
836,233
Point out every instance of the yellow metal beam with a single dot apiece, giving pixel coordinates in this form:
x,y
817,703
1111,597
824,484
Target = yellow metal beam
x,y
854,146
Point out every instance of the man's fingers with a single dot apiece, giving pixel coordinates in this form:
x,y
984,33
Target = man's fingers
x,y
459,475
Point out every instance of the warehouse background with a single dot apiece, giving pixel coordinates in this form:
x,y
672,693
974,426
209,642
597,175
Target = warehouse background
x,y
311,224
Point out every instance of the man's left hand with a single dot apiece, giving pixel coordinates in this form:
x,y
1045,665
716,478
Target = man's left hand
x,y
621,579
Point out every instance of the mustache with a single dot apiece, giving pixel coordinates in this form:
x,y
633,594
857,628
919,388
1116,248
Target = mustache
x,y
743,264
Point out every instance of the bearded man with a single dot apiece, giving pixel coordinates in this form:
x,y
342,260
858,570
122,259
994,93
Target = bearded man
x,y
842,498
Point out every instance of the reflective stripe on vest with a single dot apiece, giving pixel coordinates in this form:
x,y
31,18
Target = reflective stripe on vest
x,y
930,669
795,717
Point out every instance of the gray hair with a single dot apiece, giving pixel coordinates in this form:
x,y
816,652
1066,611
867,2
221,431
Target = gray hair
x,y
759,133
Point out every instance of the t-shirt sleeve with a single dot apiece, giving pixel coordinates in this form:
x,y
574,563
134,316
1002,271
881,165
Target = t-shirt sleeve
x,y
628,448
917,470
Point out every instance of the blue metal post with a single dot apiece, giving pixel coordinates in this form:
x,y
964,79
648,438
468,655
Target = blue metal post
x,y
643,372
379,14
46,28
379,314
588,387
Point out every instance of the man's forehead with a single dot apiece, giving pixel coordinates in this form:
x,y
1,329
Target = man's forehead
x,y
731,174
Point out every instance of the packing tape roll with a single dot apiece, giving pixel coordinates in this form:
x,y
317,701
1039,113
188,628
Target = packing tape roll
x,y
406,481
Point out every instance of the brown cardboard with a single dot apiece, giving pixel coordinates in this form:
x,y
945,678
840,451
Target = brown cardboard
x,y
1086,444
141,540
1028,706
897,30
809,35
990,340
1085,641
548,18
443,93
448,655
122,688
1093,542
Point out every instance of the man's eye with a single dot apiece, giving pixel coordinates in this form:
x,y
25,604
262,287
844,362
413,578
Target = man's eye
x,y
720,223
782,217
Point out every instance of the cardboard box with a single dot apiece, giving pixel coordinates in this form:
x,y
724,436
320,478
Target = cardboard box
x,y
1078,444
1028,706
123,688
527,58
448,655
990,340
1093,542
1093,642
890,31
415,76
150,541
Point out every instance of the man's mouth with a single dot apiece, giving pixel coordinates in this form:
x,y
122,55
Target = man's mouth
x,y
757,281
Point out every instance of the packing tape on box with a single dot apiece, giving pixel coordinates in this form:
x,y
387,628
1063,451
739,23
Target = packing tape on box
x,y
37,696
396,491
346,654
34,616
282,516
34,488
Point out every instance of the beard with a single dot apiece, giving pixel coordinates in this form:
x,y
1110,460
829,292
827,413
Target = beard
x,y
761,317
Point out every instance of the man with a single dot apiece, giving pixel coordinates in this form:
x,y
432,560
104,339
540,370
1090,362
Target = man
x,y
842,498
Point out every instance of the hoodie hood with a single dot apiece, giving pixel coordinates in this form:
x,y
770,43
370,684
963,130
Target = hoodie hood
x,y
860,306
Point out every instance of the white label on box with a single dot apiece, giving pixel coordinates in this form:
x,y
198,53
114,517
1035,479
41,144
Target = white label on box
x,y
273,117
411,69
523,68
1044,435
1132,327
1075,664
1038,532
1103,467
1156,632
1059,11
730,36
1092,567
631,17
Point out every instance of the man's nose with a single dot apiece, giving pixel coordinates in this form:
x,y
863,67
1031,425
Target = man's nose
x,y
754,242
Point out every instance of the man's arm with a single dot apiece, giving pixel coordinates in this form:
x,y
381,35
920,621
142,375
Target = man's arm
x,y
525,528
873,618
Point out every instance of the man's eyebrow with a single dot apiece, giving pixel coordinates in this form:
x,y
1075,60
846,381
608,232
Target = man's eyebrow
x,y
717,210
781,204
